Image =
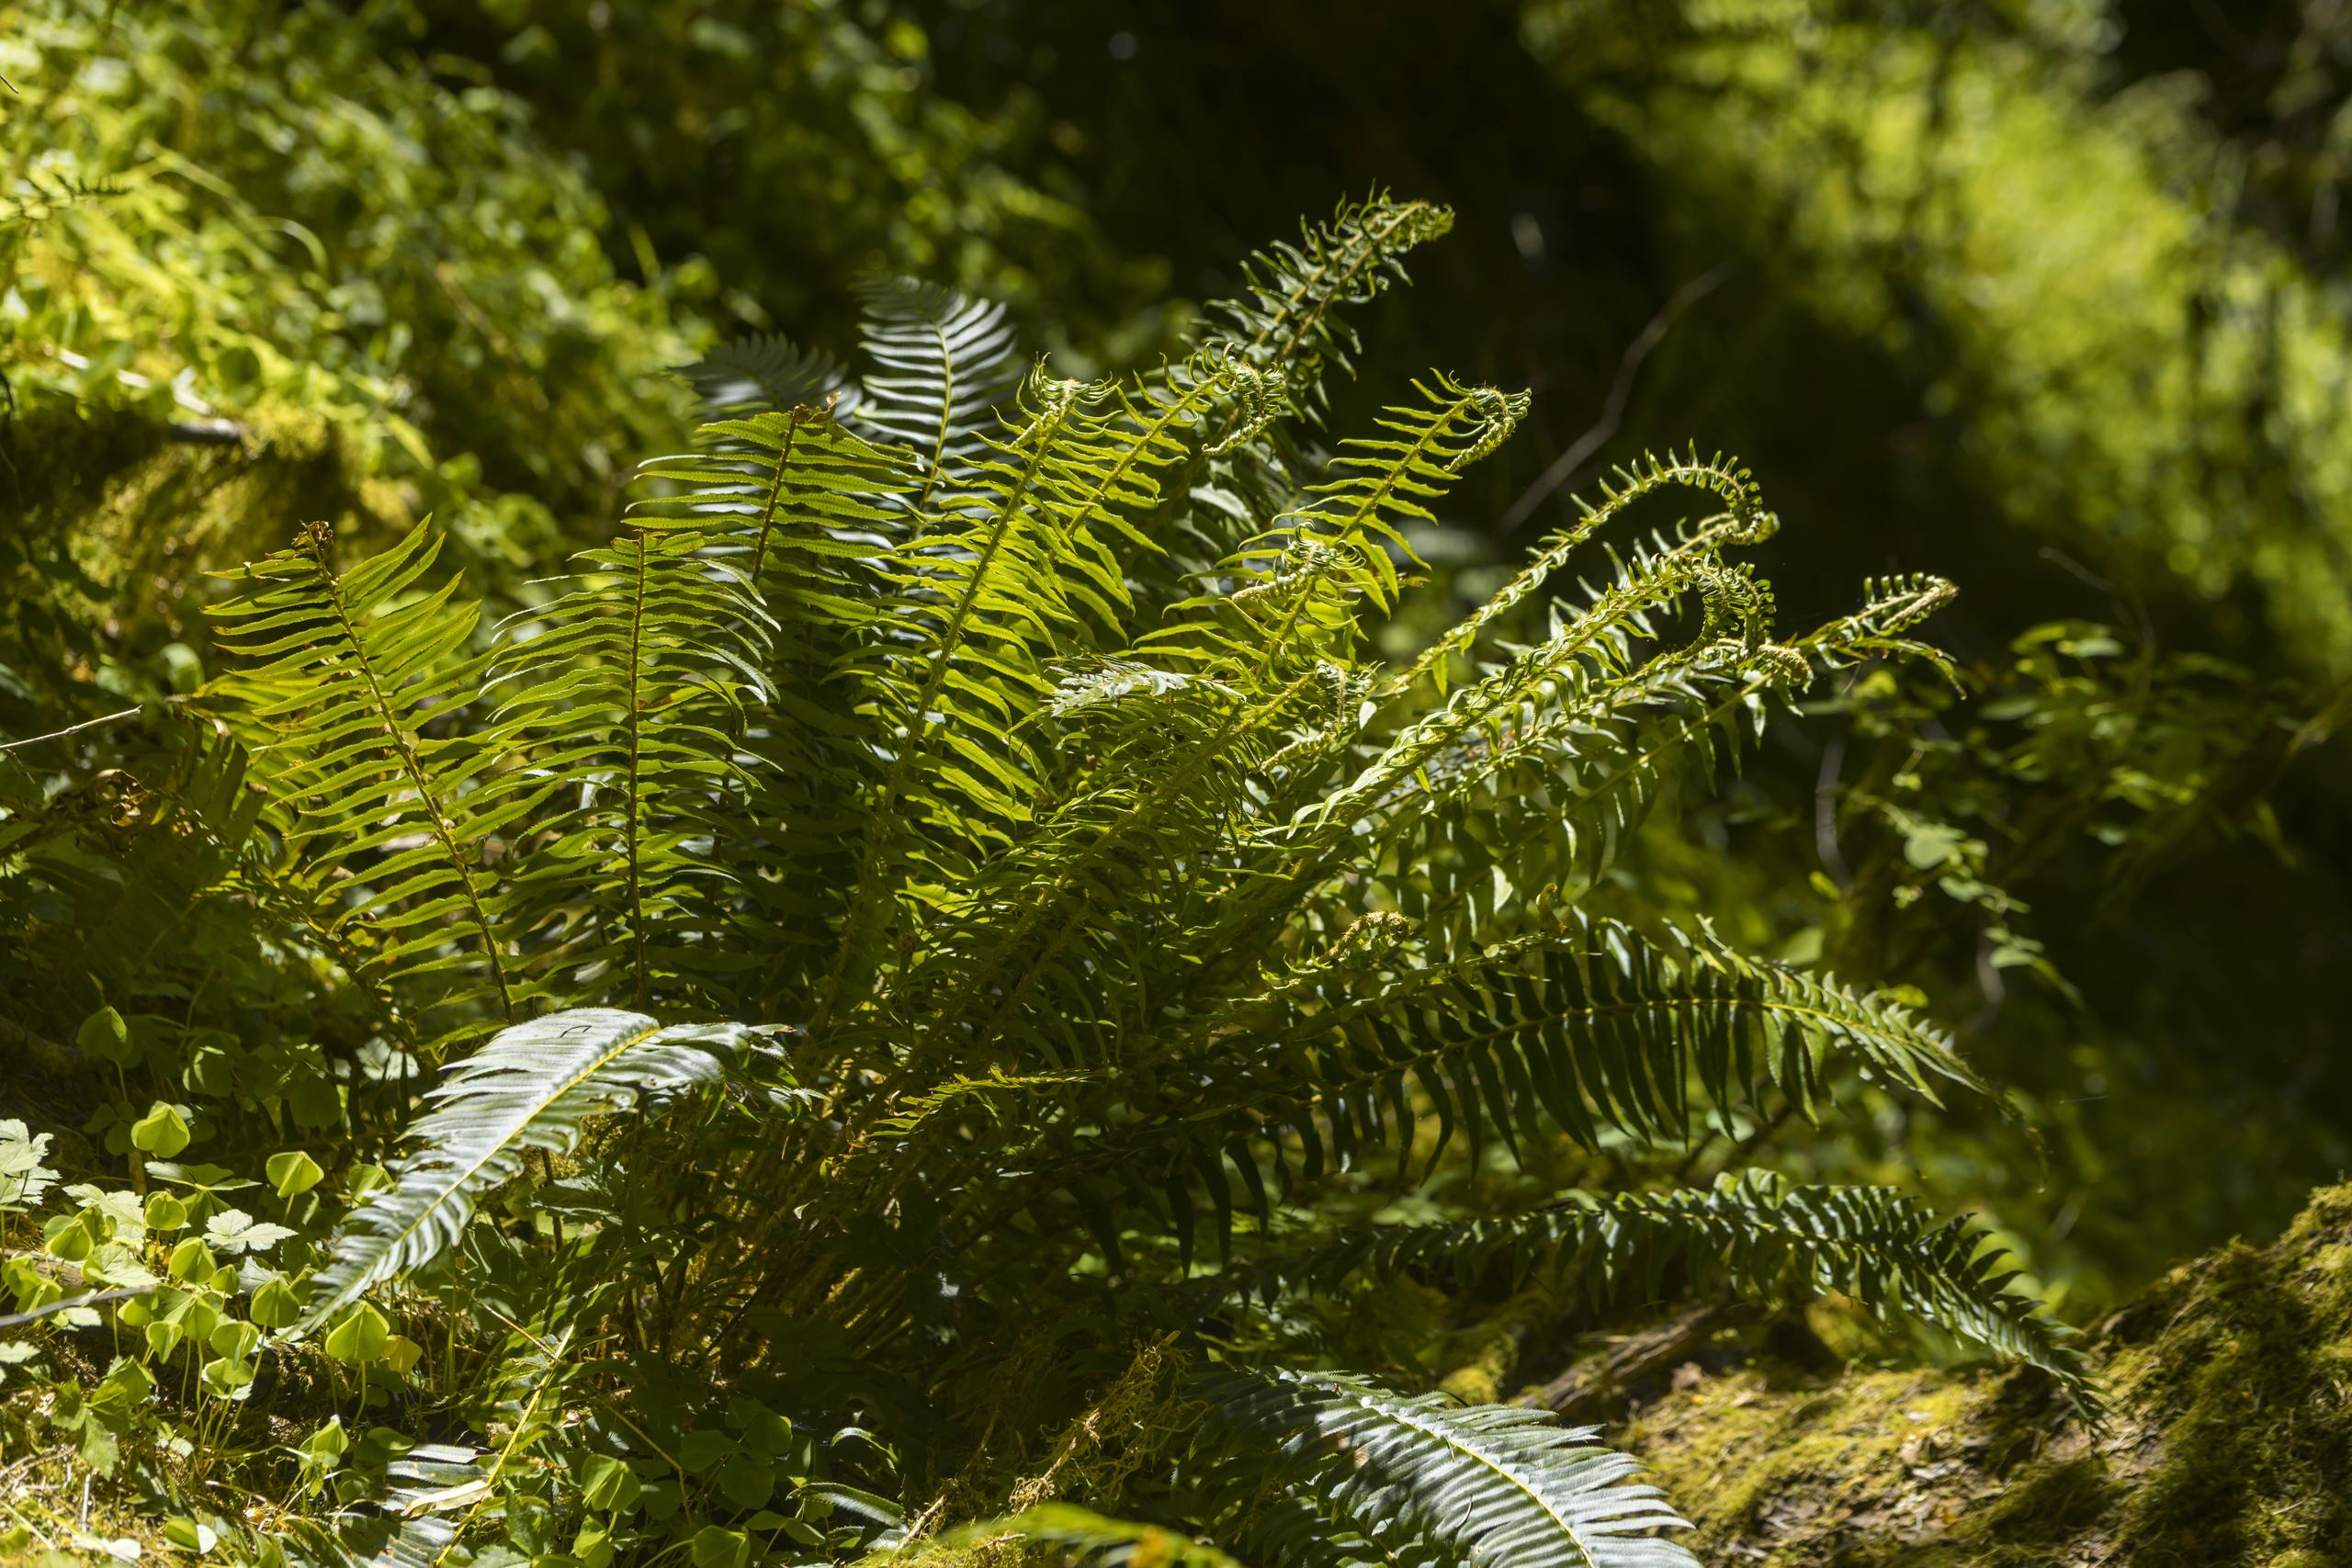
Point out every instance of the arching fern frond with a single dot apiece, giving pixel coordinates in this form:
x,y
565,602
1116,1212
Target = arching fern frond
x,y
1753,1233
1381,483
1483,1483
1597,1028
1288,314
529,1087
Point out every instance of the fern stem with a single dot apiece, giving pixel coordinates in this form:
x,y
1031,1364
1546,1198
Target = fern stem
x,y
631,835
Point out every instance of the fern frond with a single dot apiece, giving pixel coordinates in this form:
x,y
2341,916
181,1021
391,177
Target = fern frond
x,y
767,373
944,363
530,1085
1483,1484
1753,1233
1597,1028
355,677
1287,317
632,686
1381,483
1743,520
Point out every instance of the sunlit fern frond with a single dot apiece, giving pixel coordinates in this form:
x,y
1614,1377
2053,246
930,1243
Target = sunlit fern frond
x,y
530,1085
350,687
1474,1483
1289,314
943,364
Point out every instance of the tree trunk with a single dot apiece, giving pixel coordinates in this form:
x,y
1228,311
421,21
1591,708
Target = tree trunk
x,y
2229,1444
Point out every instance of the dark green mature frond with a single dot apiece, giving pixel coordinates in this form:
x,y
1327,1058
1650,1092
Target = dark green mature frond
x,y
943,364
529,1087
1596,1028
1482,1483
632,687
1755,1234
354,677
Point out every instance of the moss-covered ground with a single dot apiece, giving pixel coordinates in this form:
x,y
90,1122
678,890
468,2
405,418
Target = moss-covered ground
x,y
2229,1444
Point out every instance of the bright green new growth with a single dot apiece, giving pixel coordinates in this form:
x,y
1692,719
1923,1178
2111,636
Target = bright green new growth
x,y
982,776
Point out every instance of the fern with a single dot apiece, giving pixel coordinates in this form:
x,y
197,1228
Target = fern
x,y
352,673
1754,1234
1481,1484
1006,755
529,1087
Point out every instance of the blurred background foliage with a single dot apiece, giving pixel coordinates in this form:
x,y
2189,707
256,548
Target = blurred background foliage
x,y
2047,296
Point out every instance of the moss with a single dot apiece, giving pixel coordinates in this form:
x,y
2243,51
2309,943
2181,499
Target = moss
x,y
2232,1440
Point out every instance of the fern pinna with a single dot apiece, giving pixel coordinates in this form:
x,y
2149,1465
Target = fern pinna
x,y
945,914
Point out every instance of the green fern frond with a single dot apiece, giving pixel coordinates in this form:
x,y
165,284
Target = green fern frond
x,y
529,1087
1597,1028
1382,483
1483,1483
632,685
767,373
1755,1234
1743,520
1288,315
355,676
943,364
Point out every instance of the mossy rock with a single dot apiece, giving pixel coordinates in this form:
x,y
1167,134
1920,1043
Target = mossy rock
x,y
2229,1444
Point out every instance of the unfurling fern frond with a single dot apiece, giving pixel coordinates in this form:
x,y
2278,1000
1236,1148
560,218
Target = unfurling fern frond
x,y
1756,1235
1480,1484
1379,484
1288,317
529,1087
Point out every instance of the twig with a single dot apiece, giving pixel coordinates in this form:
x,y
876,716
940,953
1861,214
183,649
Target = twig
x,y
69,729
1612,412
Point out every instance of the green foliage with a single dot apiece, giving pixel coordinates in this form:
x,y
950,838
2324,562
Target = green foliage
x,y
952,848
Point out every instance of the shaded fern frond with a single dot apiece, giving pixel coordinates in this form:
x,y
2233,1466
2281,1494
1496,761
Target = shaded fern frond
x,y
632,686
767,372
529,1087
1597,1029
1753,1232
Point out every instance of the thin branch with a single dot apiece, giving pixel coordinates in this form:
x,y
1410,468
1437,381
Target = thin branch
x,y
69,729
1612,412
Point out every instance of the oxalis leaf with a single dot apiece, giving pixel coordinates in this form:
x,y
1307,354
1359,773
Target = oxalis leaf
x,y
530,1086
